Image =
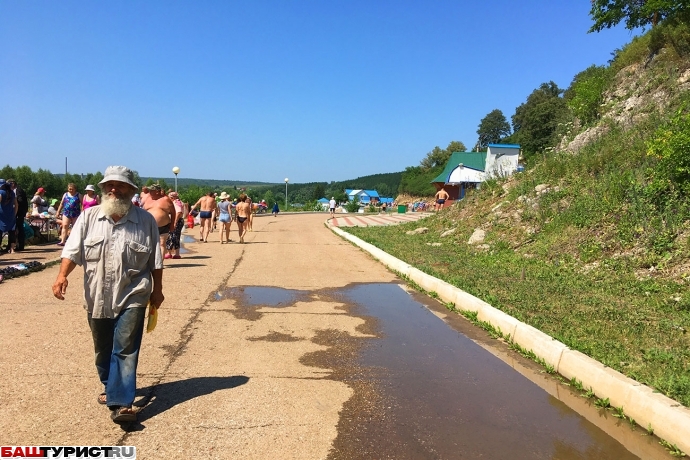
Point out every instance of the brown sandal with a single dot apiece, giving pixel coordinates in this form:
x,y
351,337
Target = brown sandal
x,y
123,414
102,399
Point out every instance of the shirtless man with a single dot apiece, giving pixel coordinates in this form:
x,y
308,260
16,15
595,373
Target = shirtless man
x,y
243,211
206,204
441,197
163,210
144,196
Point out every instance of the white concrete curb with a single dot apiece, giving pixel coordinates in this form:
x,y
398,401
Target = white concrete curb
x,y
669,419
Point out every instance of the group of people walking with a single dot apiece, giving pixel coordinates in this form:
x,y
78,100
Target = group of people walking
x,y
209,210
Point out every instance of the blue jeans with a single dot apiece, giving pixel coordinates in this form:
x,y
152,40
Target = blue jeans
x,y
116,343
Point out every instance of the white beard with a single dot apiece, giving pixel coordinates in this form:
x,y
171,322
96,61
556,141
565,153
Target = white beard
x,y
113,206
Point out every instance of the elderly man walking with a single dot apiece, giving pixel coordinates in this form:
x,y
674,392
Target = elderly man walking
x,y
117,244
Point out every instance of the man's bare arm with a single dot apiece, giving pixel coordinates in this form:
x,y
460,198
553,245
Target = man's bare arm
x,y
157,296
60,284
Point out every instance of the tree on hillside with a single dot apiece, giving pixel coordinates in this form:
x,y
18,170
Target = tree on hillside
x,y
455,146
384,189
436,157
535,121
417,180
439,156
340,196
319,192
636,13
492,128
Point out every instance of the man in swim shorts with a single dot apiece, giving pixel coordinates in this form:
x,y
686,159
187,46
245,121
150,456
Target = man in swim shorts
x,y
163,210
441,197
206,204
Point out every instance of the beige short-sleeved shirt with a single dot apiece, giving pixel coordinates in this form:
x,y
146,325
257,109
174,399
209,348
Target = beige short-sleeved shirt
x,y
118,258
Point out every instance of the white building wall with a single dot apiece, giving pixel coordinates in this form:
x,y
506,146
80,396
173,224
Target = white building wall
x,y
501,161
463,174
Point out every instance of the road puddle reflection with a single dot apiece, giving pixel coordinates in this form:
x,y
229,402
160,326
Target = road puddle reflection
x,y
446,396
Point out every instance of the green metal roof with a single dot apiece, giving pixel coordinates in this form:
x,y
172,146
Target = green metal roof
x,y
474,160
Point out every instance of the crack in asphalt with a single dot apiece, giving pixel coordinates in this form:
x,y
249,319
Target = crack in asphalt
x,y
176,351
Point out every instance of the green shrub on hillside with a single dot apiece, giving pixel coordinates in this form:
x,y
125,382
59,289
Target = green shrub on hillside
x,y
670,144
586,93
417,180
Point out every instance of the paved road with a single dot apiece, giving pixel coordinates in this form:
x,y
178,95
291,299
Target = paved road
x,y
223,386
256,356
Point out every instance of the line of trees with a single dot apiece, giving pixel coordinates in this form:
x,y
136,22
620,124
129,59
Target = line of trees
x,y
191,190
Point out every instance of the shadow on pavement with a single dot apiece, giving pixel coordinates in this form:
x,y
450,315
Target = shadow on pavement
x,y
184,265
159,398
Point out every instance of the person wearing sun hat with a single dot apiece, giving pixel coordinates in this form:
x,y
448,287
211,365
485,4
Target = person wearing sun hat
x,y
52,210
39,205
224,217
90,199
117,244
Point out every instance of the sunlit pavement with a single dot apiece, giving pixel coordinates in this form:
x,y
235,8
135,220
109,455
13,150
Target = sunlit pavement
x,y
369,220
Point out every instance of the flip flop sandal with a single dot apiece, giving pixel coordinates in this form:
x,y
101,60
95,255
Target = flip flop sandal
x,y
102,399
123,414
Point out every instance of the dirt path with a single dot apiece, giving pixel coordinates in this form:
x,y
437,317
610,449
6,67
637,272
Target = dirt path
x,y
218,382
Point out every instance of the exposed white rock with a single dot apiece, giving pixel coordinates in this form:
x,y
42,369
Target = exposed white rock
x,y
447,232
498,206
477,237
417,231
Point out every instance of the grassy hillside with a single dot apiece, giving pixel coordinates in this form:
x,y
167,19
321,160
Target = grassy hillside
x,y
591,244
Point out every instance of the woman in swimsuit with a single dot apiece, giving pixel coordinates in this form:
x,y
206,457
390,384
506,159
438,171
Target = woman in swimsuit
x,y
224,217
242,211
70,206
90,199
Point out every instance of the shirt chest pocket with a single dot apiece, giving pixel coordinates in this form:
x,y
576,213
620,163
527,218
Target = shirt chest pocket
x,y
137,255
93,248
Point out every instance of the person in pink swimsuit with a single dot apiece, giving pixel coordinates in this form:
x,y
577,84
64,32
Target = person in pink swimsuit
x,y
90,199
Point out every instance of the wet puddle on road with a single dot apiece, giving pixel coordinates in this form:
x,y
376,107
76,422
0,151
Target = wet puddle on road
x,y
429,388
251,296
251,299
448,397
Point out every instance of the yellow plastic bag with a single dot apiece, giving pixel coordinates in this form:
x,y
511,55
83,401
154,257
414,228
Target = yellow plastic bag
x,y
153,318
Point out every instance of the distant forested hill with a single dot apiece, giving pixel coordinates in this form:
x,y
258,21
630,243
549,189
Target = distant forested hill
x,y
206,183
386,184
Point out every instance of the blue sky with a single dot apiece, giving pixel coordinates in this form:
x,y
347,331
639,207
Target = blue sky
x,y
262,90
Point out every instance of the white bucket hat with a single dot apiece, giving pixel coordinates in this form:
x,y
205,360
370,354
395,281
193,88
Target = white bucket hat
x,y
119,174
90,187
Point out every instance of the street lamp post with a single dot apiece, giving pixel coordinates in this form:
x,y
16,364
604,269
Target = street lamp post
x,y
286,181
176,171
